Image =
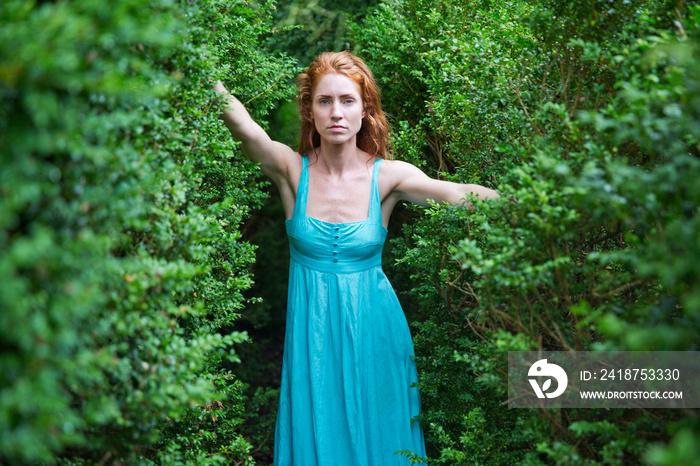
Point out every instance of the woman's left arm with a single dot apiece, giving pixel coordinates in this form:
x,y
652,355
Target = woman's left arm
x,y
412,185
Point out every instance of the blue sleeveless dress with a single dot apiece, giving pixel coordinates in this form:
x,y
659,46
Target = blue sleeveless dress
x,y
346,395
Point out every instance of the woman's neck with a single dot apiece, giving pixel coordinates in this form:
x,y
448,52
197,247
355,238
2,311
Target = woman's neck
x,y
336,159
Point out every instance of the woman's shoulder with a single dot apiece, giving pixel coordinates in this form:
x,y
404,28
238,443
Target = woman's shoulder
x,y
398,168
292,170
297,162
392,173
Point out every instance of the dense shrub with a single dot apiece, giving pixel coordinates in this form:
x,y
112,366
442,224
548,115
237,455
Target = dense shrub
x,y
585,113
121,268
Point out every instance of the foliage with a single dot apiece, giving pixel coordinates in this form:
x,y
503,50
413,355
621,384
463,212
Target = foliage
x,y
586,114
122,266
312,27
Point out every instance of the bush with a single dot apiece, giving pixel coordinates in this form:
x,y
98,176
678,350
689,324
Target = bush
x,y
585,113
122,266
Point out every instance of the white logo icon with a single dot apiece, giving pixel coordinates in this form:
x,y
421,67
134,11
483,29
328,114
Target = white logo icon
x,y
542,368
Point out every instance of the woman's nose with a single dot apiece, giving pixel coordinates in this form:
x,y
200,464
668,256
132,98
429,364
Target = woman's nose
x,y
335,110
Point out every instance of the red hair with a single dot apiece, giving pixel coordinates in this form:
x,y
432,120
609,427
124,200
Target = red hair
x,y
373,136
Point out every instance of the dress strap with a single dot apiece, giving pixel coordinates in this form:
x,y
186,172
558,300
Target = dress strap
x,y
302,189
375,210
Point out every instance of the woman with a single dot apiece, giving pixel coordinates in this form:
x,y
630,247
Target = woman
x,y
347,375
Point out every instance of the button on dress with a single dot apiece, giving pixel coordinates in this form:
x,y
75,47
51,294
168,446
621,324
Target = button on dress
x,y
346,395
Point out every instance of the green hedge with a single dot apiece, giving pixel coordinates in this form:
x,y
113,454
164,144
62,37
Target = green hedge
x,y
121,200
586,114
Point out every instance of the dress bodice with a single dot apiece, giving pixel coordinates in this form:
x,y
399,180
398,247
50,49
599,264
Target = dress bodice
x,y
336,247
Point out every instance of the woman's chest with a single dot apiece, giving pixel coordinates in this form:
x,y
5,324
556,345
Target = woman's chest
x,y
339,201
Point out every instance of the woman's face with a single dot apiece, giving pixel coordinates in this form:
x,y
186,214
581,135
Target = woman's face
x,y
337,108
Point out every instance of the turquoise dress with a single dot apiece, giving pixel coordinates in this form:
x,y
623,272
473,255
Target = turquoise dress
x,y
346,395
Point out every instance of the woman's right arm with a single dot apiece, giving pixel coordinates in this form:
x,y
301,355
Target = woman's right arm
x,y
275,158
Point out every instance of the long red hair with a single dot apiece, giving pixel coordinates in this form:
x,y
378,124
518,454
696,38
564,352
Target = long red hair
x,y
374,134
